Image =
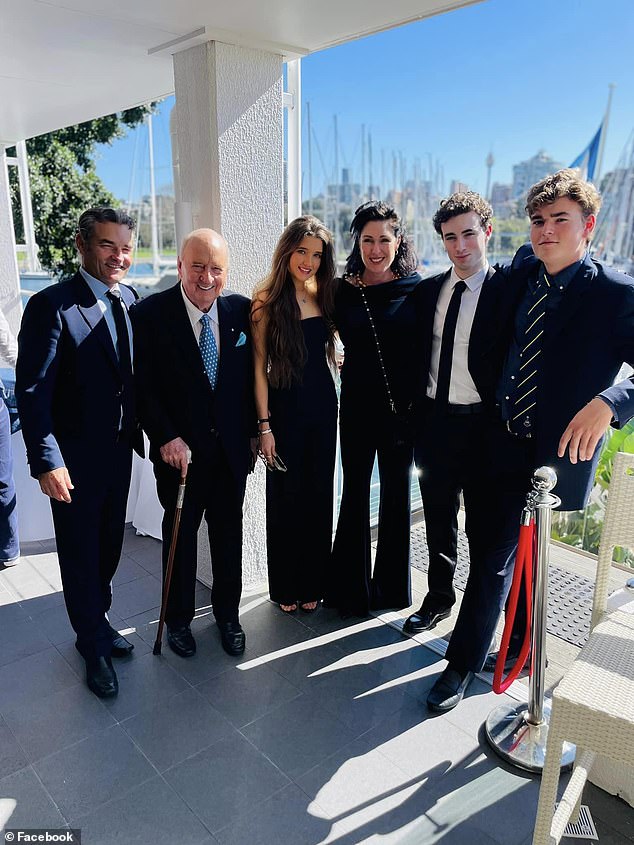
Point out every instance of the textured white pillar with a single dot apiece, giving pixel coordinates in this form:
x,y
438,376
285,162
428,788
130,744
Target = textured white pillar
x,y
9,276
230,150
229,129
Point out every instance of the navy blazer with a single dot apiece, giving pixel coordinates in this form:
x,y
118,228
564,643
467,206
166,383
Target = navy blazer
x,y
589,338
68,382
488,338
174,395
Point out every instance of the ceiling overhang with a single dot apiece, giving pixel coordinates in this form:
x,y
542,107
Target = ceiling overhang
x,y
66,61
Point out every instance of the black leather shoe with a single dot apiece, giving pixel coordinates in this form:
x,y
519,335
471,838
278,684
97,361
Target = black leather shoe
x,y
232,637
509,663
448,690
120,646
101,677
181,641
424,620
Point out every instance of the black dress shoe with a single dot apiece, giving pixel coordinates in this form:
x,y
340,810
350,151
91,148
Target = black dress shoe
x,y
120,646
181,641
101,677
509,663
448,690
424,620
232,637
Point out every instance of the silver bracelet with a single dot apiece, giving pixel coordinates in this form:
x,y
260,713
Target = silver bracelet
x,y
266,431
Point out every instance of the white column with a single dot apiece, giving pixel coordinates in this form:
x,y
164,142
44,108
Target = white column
x,y
229,128
230,150
294,140
9,276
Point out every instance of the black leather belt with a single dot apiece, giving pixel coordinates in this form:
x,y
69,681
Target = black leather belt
x,y
456,410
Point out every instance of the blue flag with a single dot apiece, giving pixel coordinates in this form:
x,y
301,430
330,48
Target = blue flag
x,y
586,161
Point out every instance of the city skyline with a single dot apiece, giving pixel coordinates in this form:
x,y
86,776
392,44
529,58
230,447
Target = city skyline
x,y
462,99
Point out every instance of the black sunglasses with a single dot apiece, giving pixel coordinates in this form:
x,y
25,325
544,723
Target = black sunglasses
x,y
277,463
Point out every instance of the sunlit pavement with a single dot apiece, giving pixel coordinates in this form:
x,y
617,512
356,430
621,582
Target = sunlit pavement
x,y
318,734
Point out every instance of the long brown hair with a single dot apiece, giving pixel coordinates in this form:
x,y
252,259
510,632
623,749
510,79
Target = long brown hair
x,y
276,293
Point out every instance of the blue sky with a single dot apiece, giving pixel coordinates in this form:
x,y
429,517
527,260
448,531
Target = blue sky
x,y
511,76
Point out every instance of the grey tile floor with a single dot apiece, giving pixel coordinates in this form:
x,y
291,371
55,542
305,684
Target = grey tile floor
x,y
319,734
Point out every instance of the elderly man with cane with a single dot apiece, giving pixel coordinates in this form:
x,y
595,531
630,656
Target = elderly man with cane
x,y
195,385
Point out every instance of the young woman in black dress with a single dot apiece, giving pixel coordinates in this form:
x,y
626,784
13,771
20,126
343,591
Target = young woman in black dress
x,y
296,405
373,304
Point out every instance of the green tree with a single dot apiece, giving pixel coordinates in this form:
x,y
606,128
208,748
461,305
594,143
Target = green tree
x,y
64,183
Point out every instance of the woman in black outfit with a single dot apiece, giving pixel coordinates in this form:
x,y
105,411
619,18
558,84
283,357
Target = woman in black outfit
x,y
373,303
296,403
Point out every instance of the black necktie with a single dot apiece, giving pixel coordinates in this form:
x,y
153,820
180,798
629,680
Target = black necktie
x,y
125,361
446,346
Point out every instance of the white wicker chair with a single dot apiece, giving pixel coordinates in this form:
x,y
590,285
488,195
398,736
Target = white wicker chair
x,y
593,706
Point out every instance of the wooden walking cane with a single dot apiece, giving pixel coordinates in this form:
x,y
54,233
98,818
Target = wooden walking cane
x,y
170,562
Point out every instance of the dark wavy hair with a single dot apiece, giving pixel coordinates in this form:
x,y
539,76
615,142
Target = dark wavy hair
x,y
462,203
405,260
276,294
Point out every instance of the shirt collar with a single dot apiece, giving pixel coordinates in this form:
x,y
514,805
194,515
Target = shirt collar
x,y
472,282
562,279
195,313
100,289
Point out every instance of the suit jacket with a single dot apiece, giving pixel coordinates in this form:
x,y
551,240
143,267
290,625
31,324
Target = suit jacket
x,y
584,347
69,386
174,394
487,341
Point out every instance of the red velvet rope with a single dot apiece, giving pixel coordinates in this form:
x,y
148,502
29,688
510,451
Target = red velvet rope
x,y
523,569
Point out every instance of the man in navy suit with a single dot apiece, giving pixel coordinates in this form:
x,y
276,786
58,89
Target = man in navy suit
x,y
74,387
195,388
572,329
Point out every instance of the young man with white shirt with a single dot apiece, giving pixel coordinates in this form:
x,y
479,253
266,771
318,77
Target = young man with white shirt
x,y
74,386
461,361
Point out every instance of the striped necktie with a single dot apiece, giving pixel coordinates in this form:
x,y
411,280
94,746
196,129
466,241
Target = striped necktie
x,y
209,350
522,416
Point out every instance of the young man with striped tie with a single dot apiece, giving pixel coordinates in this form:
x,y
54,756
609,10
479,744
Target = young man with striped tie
x,y
572,328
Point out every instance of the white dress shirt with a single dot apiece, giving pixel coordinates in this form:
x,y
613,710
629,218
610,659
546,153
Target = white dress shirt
x,y
100,291
462,390
195,315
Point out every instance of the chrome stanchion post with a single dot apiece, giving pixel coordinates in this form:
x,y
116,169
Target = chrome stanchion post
x,y
544,480
519,734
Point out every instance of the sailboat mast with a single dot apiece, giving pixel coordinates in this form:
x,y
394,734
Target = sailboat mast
x,y
310,159
153,219
335,228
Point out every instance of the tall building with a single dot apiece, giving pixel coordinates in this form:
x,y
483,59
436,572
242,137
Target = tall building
x,y
526,173
346,191
503,206
458,187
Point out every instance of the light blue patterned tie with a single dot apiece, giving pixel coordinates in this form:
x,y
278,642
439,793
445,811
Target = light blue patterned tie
x,y
209,350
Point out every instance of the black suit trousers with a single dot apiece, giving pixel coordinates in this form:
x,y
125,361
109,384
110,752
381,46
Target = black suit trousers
x,y
89,535
213,492
493,508
448,455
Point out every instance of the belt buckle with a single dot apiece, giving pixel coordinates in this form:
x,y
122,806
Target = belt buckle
x,y
526,436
